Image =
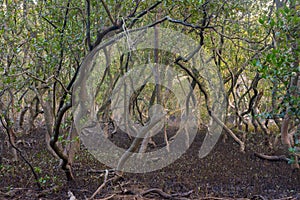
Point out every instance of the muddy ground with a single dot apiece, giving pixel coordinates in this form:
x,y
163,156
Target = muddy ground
x,y
226,173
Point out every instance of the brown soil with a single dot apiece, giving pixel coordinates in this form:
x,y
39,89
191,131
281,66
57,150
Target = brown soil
x,y
225,173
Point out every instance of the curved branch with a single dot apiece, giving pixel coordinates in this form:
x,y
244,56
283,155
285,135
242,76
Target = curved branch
x,y
53,142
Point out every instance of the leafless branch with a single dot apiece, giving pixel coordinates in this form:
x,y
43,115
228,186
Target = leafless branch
x,y
101,186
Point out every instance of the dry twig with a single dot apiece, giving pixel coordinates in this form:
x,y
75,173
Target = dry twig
x,y
101,186
166,195
271,158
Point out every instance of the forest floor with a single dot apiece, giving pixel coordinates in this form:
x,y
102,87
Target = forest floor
x,y
226,173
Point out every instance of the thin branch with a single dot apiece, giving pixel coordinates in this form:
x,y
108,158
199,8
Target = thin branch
x,y
243,39
101,186
53,142
62,85
57,73
271,158
109,197
222,198
8,128
108,13
51,23
36,78
241,143
132,13
207,100
144,13
166,195
88,25
118,25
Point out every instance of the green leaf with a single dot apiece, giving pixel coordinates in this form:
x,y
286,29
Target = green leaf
x,y
272,22
292,150
291,161
261,21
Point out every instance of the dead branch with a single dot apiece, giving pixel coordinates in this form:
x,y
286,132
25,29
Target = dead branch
x,y
222,198
241,143
106,198
101,186
290,198
100,171
166,195
271,158
259,197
